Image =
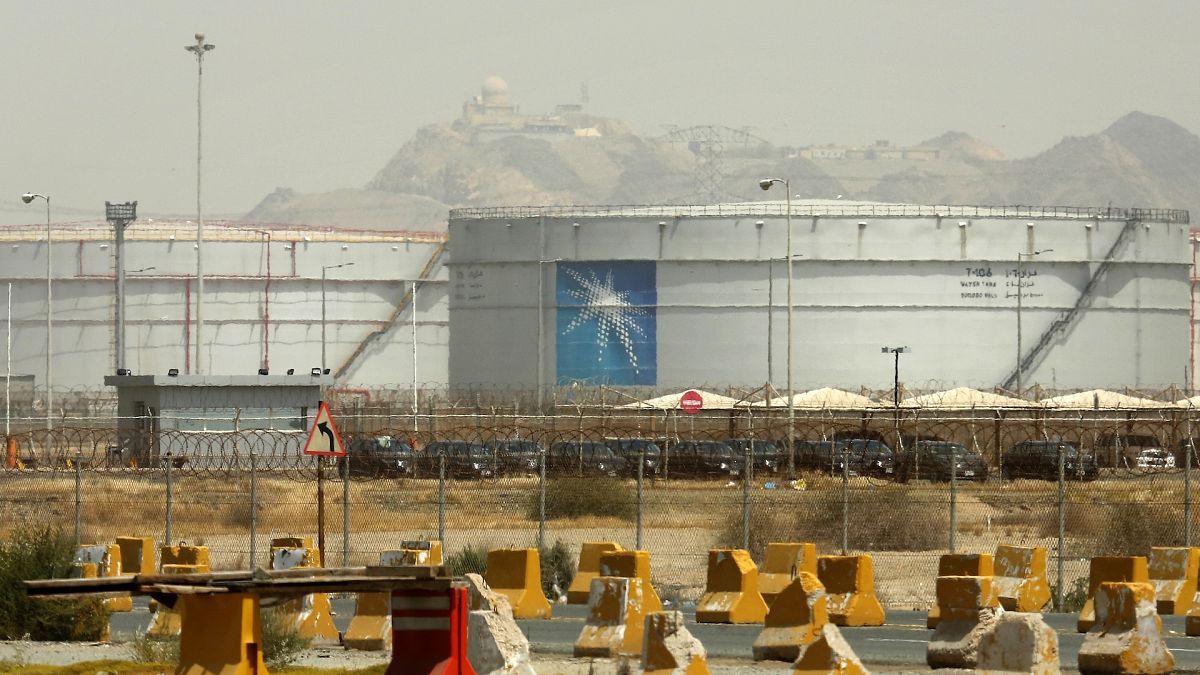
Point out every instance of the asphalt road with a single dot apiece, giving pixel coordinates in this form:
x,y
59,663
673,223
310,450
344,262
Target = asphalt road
x,y
899,643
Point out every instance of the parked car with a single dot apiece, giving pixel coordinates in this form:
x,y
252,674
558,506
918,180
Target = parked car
x,y
631,449
700,459
1155,459
1039,459
826,456
380,456
464,459
516,456
932,460
869,457
587,457
768,457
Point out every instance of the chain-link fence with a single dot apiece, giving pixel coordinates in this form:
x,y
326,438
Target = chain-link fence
x,y
904,485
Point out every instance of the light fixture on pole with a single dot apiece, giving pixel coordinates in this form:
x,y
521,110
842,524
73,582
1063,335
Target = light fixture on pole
x,y
766,184
199,49
325,268
120,215
1020,292
27,198
897,351
541,333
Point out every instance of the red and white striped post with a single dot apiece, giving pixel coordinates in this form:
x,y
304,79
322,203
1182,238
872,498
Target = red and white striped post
x,y
429,632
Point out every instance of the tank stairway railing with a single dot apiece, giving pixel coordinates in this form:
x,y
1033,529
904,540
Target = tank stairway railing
x,y
1067,318
430,268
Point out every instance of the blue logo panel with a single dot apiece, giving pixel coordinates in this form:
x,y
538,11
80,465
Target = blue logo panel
x,y
607,330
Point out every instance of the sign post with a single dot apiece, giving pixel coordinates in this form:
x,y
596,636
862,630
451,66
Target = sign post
x,y
323,441
691,402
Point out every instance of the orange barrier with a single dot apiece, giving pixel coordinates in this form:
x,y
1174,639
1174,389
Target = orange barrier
x,y
311,614
731,592
850,583
782,564
1109,568
970,609
1173,572
959,565
632,564
102,560
10,461
223,634
589,568
1126,636
669,649
429,632
517,574
1020,581
616,618
794,621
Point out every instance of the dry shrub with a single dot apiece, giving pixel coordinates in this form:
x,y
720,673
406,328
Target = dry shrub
x,y
1117,522
581,497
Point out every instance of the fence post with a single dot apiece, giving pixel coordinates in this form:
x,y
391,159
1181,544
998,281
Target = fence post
x,y
78,499
253,507
747,476
641,476
541,498
1058,595
170,500
845,498
442,498
953,496
1187,483
346,510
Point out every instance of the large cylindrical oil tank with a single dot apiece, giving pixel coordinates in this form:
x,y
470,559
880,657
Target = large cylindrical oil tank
x,y
676,296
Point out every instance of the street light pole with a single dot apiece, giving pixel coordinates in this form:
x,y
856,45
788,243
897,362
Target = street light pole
x,y
1020,292
325,268
766,184
27,198
199,49
120,215
541,331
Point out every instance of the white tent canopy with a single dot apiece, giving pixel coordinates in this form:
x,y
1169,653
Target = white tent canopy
x,y
1097,399
711,401
825,398
964,398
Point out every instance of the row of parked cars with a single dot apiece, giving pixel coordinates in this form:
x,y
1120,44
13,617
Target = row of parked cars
x,y
923,460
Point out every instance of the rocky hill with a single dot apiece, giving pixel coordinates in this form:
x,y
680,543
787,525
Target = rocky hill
x,y
1140,160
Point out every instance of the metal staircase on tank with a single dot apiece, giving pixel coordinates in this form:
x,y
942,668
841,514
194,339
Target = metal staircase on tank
x,y
1066,319
430,268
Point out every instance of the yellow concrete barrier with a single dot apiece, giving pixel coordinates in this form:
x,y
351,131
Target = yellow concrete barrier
x,y
589,568
829,655
959,565
517,575
165,621
311,614
783,562
137,555
850,584
223,636
731,592
1109,568
102,560
371,627
633,564
1020,581
1173,572
970,609
794,621
669,648
616,618
1126,635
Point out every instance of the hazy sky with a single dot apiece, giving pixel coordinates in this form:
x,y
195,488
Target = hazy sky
x,y
99,97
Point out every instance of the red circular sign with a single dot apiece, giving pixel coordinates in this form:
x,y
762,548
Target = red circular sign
x,y
691,402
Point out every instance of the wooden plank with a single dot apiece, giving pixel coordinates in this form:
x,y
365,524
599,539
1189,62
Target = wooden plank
x,y
182,590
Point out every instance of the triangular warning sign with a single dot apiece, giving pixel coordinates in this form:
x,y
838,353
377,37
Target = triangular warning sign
x,y
323,438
